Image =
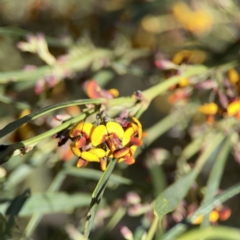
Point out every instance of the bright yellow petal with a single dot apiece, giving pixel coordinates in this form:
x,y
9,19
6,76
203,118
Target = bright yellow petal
x,y
136,121
114,92
76,151
113,127
233,108
127,136
213,216
133,149
109,154
208,109
99,152
233,76
90,157
198,220
98,135
75,131
87,129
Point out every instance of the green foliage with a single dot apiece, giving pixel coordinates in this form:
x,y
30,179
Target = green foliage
x,y
176,67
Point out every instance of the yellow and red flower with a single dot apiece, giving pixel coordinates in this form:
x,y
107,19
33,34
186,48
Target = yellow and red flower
x,y
107,140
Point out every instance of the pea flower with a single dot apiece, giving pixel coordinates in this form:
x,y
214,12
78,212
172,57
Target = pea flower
x,y
110,139
209,109
233,109
81,147
93,90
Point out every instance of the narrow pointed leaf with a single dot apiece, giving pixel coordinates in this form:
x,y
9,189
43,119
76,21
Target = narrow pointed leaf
x,y
215,176
16,124
168,200
204,209
97,196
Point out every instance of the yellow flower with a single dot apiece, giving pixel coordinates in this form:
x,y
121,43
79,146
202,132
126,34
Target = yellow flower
x,y
233,108
108,140
197,22
233,76
213,217
111,133
82,129
92,155
208,109
184,82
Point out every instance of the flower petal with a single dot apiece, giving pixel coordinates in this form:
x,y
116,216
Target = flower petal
x,y
113,127
80,142
136,141
133,149
90,157
81,163
87,129
109,154
135,120
76,130
127,159
127,136
93,89
76,151
121,152
208,109
103,163
233,108
114,92
99,152
98,135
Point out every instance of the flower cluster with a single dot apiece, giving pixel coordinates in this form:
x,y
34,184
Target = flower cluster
x,y
117,139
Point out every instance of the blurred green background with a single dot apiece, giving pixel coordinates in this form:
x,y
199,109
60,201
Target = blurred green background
x,y
117,43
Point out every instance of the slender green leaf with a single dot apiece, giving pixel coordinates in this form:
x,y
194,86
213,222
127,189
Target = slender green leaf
x,y
18,32
204,209
23,147
17,104
16,124
97,196
95,175
215,176
168,200
152,229
43,203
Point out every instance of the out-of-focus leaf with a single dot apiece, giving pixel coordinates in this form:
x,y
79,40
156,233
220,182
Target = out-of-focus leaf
x,y
168,200
8,151
204,209
95,175
43,203
97,196
215,232
18,32
16,124
103,77
18,105
215,176
3,225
